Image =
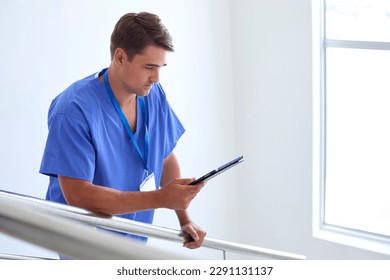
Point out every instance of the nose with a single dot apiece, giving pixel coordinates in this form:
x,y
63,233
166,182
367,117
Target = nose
x,y
155,77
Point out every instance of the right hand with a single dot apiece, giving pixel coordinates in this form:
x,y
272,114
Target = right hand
x,y
178,194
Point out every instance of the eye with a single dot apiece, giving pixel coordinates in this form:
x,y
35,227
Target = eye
x,y
148,67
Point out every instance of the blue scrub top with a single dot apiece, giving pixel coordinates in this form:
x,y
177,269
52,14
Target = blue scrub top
x,y
88,141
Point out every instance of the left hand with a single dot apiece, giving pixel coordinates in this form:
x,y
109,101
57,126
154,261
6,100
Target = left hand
x,y
193,235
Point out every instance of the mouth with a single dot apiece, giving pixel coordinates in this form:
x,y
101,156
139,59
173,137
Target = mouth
x,y
147,88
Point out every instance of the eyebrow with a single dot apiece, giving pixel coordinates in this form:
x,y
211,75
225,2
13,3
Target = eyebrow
x,y
154,65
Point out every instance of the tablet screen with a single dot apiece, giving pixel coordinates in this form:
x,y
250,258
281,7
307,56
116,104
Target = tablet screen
x,y
219,170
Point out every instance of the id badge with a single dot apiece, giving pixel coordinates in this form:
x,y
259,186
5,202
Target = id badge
x,y
149,184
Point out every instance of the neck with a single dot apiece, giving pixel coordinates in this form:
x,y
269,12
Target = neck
x,y
127,102
124,98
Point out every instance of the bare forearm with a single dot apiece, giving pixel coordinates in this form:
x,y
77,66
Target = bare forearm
x,y
176,195
183,217
171,171
113,202
106,200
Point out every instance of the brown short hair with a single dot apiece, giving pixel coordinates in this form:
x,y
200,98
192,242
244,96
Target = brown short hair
x,y
133,32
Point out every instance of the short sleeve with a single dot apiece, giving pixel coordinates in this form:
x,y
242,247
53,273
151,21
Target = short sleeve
x,y
174,129
69,150
171,129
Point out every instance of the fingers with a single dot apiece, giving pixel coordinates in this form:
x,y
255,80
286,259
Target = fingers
x,y
192,233
187,181
193,236
192,243
178,194
183,181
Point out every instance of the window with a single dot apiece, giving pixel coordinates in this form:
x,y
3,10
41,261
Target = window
x,y
352,122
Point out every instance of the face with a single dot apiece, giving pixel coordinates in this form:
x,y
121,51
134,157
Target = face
x,y
138,75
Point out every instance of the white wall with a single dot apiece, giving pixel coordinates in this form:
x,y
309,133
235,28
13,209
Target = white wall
x,y
46,45
240,80
273,98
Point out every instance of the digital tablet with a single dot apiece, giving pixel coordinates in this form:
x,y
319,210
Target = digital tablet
x,y
219,170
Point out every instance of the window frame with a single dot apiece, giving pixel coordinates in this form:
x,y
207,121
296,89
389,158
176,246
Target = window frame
x,y
346,236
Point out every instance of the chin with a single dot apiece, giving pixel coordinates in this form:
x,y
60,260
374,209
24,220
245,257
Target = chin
x,y
143,93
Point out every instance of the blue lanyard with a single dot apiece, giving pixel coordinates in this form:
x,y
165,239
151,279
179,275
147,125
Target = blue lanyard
x,y
144,156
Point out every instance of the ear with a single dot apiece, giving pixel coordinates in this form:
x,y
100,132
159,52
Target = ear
x,y
119,56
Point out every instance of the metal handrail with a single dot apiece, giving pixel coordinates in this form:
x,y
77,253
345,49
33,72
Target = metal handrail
x,y
138,228
20,257
70,238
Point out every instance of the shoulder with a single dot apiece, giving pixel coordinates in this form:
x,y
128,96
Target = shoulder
x,y
83,95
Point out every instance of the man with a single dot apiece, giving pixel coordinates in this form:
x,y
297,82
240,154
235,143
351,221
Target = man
x,y
112,134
